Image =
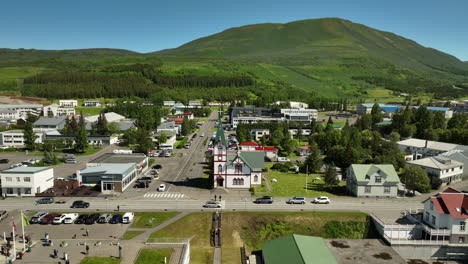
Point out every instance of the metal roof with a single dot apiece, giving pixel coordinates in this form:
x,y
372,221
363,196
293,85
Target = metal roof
x,y
387,171
26,170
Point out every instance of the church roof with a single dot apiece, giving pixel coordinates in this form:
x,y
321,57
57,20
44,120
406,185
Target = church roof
x,y
220,134
255,160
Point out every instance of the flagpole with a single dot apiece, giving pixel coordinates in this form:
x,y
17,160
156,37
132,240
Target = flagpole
x,y
22,229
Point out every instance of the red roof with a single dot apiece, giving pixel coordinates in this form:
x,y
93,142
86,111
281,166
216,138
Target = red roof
x,y
305,147
266,148
453,202
249,143
186,114
177,120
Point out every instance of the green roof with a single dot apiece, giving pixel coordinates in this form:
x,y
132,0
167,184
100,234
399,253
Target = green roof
x,y
220,134
254,159
385,170
297,249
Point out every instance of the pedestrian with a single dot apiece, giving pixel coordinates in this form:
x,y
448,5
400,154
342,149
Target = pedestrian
x,y
87,232
215,197
220,198
118,208
87,250
46,236
55,253
67,261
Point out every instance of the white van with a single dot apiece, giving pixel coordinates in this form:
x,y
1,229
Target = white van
x,y
128,218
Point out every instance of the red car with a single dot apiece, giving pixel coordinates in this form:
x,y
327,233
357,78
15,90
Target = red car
x,y
48,219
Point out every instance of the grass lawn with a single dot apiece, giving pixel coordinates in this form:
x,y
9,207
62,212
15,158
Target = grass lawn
x,y
100,260
201,255
143,220
292,184
153,256
89,110
230,255
131,234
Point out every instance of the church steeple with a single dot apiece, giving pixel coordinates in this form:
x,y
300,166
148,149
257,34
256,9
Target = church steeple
x,y
220,133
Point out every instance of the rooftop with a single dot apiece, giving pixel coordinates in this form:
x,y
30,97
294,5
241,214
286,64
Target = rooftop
x,y
439,162
436,145
453,202
254,159
266,149
26,170
362,171
108,168
50,121
110,117
167,125
249,143
119,158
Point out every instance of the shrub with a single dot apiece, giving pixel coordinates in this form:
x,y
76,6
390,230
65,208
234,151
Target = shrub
x,y
283,167
345,229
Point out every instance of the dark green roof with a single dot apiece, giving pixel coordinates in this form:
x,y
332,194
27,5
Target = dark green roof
x,y
255,160
220,134
297,249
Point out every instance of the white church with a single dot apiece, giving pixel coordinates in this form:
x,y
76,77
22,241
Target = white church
x,y
235,169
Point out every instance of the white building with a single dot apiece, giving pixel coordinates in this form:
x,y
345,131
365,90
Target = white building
x,y
460,156
26,181
169,103
23,109
258,133
219,103
195,103
312,113
420,148
110,117
441,168
68,103
293,104
15,138
171,138
446,111
56,110
92,104
169,126
9,114
369,180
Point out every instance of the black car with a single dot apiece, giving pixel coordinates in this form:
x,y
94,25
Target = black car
x,y
91,219
146,178
157,167
46,200
140,184
4,161
80,204
116,219
81,219
194,136
264,200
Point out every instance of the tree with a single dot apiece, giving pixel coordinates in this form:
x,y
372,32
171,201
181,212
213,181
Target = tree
x,y
376,114
394,136
439,120
330,177
313,162
415,179
299,134
143,139
263,141
289,145
29,136
186,127
276,137
31,118
113,128
81,137
102,125
162,138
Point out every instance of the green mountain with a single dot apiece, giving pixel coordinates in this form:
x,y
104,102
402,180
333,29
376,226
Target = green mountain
x,y
326,38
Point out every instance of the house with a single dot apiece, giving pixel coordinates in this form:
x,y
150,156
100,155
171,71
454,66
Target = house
x,y
9,114
56,110
178,121
297,249
186,115
110,117
179,108
258,133
235,169
95,140
306,131
195,103
271,153
446,111
92,104
171,139
440,168
47,123
420,148
293,113
219,103
15,138
460,108
23,110
26,181
367,108
248,146
460,156
169,103
68,103
169,126
303,151
372,180
111,177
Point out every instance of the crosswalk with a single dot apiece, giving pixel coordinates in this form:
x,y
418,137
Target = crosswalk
x,y
164,195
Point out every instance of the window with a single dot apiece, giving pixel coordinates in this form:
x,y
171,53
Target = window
x,y
461,240
238,168
8,179
220,158
453,169
27,179
18,179
9,190
378,179
220,168
256,178
367,189
433,220
462,226
386,189
27,190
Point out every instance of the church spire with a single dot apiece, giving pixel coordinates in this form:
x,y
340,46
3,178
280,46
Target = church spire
x,y
220,132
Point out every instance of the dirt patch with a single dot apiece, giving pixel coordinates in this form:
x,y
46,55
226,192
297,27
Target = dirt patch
x,y
338,244
417,261
236,239
382,255
15,99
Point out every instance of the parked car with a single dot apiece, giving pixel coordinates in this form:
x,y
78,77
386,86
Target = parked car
x,y
71,161
283,159
264,200
146,178
297,200
91,219
321,200
59,219
128,218
70,218
46,200
154,172
157,166
187,145
212,204
167,154
140,184
48,219
194,135
202,134
162,187
116,219
80,204
81,219
104,218
4,161
37,217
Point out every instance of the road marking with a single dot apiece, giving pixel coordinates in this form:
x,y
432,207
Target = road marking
x,y
164,195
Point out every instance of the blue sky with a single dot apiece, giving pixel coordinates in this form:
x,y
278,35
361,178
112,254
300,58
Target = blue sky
x,y
151,25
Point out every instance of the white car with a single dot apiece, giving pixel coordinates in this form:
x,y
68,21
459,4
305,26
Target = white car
x,y
59,219
168,154
70,218
321,200
4,147
202,134
283,159
162,188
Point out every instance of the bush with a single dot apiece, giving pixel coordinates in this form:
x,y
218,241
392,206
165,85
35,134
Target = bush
x,y
283,167
345,229
436,183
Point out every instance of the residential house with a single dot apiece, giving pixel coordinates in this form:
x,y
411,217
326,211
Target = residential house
x,y
367,108
306,131
372,180
219,103
297,249
235,169
303,151
68,103
187,115
271,153
169,126
179,108
460,156
420,148
440,168
94,140
176,120
47,123
248,146
15,138
460,108
258,133
169,103
195,104
92,104
171,139
26,181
